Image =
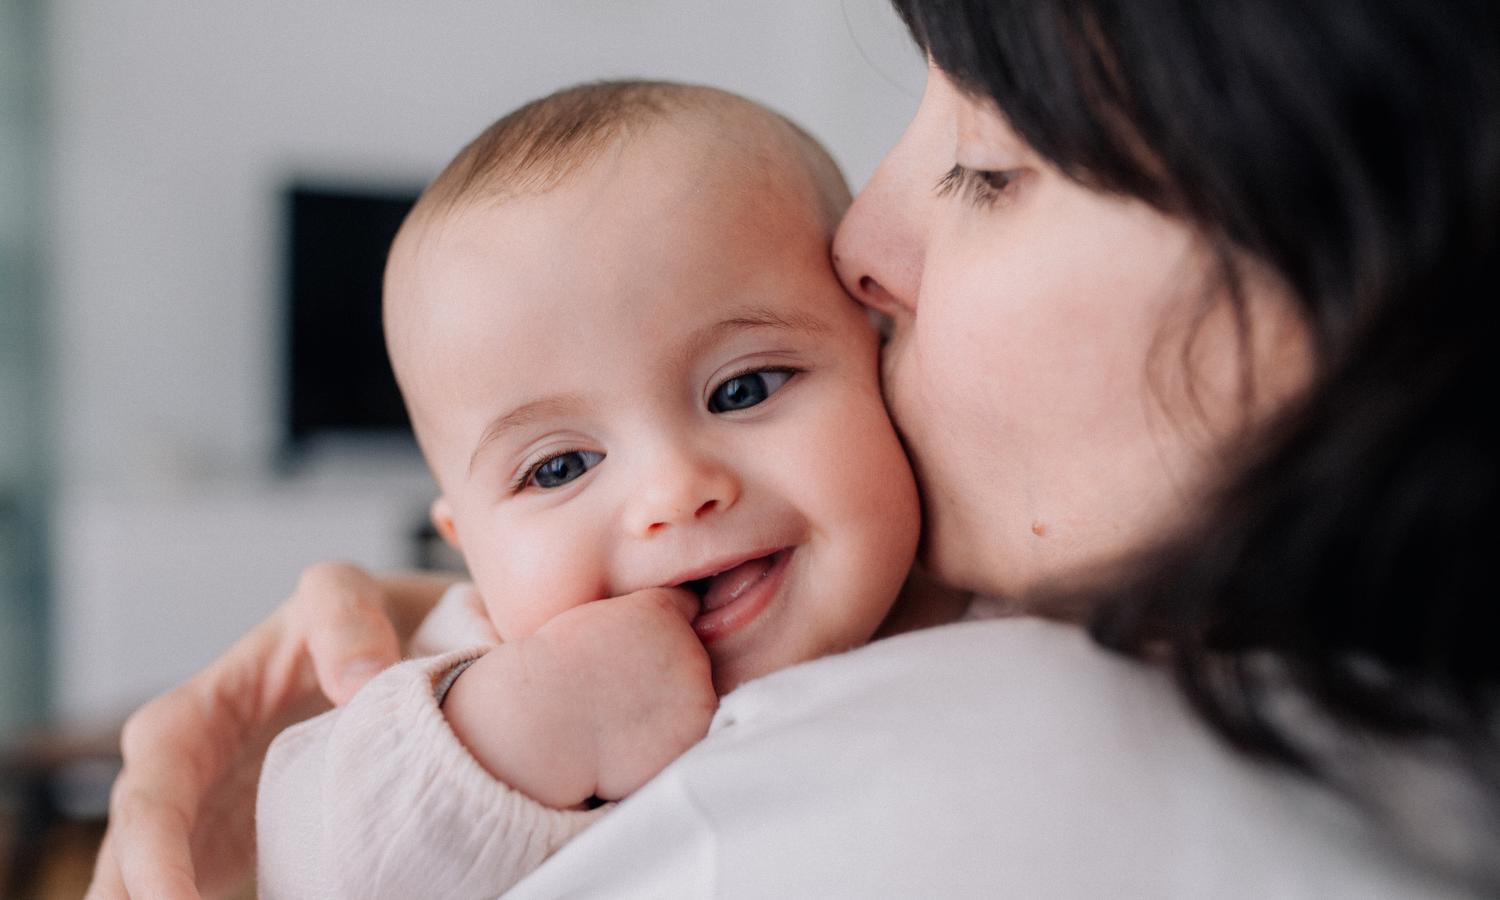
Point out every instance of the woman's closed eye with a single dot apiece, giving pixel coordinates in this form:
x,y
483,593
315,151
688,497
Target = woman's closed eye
x,y
559,469
981,188
748,389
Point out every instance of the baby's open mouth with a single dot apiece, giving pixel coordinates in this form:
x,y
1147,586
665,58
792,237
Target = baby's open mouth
x,y
727,586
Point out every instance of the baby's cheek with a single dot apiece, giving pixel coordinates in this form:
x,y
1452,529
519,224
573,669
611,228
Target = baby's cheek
x,y
876,460
874,488
535,579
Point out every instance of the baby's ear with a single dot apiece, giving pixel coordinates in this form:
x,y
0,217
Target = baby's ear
x,y
442,520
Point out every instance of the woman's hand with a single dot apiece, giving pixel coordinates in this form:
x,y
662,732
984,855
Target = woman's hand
x,y
181,813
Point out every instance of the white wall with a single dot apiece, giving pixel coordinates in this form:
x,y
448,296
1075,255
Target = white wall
x,y
175,122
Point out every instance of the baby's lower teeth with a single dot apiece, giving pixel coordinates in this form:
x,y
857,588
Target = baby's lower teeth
x,y
731,584
735,594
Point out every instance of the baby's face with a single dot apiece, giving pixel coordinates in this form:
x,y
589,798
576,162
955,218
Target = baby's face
x,y
651,376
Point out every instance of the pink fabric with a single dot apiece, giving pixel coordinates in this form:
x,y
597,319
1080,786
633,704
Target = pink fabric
x,y
379,799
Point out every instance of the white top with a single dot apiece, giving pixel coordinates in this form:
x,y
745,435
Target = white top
x,y
1009,758
987,758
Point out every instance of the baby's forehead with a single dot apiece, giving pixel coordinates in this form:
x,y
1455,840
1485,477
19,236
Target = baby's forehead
x,y
745,135
744,162
714,179
769,159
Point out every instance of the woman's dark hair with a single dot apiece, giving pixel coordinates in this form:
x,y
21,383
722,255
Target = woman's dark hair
x,y
1347,571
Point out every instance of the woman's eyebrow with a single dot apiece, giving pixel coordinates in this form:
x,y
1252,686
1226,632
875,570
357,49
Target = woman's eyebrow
x,y
522,415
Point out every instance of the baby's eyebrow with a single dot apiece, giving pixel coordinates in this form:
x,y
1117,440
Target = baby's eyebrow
x,y
746,319
740,320
522,415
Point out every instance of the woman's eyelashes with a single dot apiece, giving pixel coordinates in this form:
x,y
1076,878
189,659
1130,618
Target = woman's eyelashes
x,y
981,188
558,469
747,389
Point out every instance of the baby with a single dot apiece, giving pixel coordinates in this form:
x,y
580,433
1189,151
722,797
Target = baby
x,y
629,365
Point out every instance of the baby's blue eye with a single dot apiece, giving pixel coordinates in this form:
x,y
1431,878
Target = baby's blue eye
x,y
564,467
747,390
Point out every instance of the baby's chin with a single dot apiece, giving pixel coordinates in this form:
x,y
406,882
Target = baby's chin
x,y
730,674
727,681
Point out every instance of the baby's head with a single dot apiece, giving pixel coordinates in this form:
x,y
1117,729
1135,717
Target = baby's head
x,y
629,364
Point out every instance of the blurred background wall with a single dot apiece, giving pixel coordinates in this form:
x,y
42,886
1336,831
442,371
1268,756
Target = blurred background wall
x,y
144,275
24,437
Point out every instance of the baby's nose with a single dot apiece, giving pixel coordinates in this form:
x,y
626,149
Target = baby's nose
x,y
673,495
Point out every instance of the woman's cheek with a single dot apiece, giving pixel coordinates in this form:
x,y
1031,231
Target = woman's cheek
x,y
932,382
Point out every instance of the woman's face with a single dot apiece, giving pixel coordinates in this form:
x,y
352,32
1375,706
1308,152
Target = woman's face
x,y
1039,366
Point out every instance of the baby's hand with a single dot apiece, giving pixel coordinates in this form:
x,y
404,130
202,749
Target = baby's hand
x,y
595,703
640,681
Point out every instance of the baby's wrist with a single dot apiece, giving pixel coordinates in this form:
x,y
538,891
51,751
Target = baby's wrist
x,y
445,684
515,726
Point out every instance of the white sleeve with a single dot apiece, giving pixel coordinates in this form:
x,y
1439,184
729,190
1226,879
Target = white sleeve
x,y
457,621
380,799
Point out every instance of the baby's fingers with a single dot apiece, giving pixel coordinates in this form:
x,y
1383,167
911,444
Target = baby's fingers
x,y
680,600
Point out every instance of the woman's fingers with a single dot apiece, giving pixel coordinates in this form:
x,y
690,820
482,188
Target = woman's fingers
x,y
147,852
107,883
192,754
153,844
179,751
350,643
350,637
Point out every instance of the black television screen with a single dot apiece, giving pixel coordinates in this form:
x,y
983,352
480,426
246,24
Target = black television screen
x,y
339,382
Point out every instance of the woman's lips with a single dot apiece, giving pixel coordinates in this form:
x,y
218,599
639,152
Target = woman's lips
x,y
737,596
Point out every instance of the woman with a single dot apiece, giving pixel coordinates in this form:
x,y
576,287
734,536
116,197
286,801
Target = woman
x,y
1186,304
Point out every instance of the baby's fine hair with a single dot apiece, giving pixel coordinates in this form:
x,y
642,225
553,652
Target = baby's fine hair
x,y
535,148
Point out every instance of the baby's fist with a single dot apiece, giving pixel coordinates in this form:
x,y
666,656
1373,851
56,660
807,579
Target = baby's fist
x,y
642,681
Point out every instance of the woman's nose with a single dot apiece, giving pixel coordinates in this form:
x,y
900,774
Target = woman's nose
x,y
680,490
881,245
